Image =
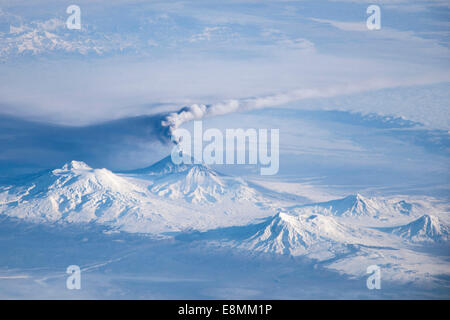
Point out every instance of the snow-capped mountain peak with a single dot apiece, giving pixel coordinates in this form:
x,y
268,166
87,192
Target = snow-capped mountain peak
x,y
75,193
426,228
74,165
356,206
166,166
296,234
194,183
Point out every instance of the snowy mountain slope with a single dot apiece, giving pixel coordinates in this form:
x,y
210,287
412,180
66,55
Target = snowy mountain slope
x,y
77,193
398,265
427,228
349,249
162,167
194,183
358,206
80,194
317,236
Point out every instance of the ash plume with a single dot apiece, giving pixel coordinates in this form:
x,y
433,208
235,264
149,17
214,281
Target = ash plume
x,y
174,120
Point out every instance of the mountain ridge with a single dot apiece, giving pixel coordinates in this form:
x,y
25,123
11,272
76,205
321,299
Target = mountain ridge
x,y
356,206
193,183
77,193
427,228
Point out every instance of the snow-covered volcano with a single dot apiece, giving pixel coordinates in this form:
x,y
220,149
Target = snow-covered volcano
x,y
357,206
194,183
165,166
320,237
427,228
196,201
78,193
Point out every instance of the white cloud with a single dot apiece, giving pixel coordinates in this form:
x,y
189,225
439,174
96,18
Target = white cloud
x,y
50,24
403,5
206,34
298,43
345,26
271,57
15,30
408,40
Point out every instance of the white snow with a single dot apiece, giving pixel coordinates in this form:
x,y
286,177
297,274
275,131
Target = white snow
x,y
427,228
175,201
317,236
342,234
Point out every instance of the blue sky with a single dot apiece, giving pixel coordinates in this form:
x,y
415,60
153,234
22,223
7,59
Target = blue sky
x,y
136,58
